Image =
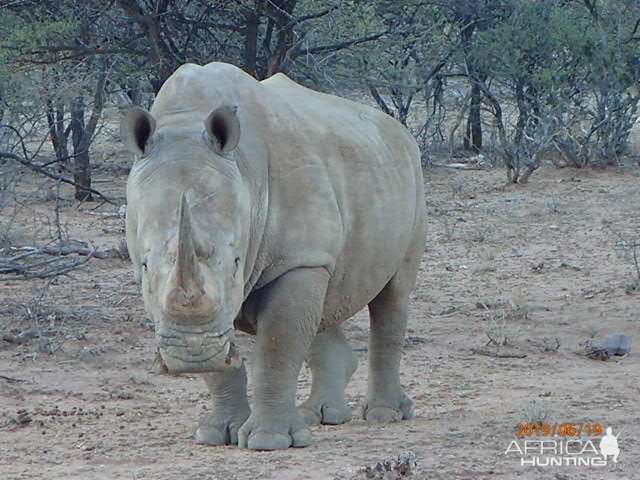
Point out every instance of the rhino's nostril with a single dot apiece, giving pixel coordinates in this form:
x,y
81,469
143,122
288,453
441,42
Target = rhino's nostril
x,y
232,358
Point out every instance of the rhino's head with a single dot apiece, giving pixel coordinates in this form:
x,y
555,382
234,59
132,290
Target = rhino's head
x,y
187,231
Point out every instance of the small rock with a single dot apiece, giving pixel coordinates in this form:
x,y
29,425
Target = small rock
x,y
572,267
617,344
538,268
413,340
122,395
23,417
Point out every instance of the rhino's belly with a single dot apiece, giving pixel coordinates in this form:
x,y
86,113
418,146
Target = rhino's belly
x,y
362,271
346,300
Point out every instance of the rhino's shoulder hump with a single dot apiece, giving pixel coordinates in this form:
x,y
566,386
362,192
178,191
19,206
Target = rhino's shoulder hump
x,y
280,80
213,74
221,68
196,88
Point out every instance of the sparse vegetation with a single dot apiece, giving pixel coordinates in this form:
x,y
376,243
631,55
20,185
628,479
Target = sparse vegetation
x,y
403,466
630,246
500,329
551,344
520,307
594,352
479,235
536,412
554,205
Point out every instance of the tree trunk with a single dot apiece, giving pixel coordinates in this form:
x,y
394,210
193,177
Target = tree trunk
x,y
466,141
57,132
282,13
523,114
82,136
252,20
81,163
285,43
474,129
82,176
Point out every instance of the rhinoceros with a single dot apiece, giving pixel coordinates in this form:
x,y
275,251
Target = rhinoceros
x,y
273,209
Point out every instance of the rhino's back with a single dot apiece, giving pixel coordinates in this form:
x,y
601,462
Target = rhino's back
x,y
352,174
339,121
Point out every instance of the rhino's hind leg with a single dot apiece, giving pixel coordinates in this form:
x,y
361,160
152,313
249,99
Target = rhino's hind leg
x,y
230,407
332,363
386,401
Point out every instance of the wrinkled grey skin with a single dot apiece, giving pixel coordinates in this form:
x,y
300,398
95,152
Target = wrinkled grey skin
x,y
279,211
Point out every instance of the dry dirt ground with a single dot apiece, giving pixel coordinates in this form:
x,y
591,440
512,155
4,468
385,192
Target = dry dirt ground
x,y
534,273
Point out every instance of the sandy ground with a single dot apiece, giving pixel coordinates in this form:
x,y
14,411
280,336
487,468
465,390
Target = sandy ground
x,y
534,273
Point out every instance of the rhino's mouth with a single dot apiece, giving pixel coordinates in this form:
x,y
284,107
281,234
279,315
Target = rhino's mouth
x,y
195,351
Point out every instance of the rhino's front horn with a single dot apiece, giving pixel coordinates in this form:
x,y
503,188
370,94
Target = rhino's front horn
x,y
186,292
186,262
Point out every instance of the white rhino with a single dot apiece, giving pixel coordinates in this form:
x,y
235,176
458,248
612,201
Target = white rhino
x,y
279,211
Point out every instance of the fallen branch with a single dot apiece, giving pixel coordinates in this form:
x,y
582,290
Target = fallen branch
x,y
21,338
64,250
113,230
491,353
26,271
25,264
457,166
107,215
11,379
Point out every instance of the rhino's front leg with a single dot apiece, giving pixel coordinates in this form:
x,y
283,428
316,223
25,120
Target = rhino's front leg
x,y
288,315
230,407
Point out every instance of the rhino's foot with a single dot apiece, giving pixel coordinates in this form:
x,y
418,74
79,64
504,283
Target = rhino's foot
x,y
264,432
214,430
380,412
325,413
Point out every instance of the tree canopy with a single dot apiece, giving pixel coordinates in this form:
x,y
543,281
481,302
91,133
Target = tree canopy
x,y
541,74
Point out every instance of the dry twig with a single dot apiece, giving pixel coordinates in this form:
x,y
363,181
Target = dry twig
x,y
494,354
27,162
26,261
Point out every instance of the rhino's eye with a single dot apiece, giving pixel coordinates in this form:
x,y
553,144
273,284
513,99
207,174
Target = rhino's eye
x,y
144,266
237,264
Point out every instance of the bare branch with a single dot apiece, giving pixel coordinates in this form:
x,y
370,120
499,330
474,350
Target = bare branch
x,y
336,46
379,100
64,248
312,16
22,263
202,24
591,6
53,176
632,36
53,267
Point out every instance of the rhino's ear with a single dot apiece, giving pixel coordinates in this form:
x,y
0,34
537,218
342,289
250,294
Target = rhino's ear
x,y
223,128
136,128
